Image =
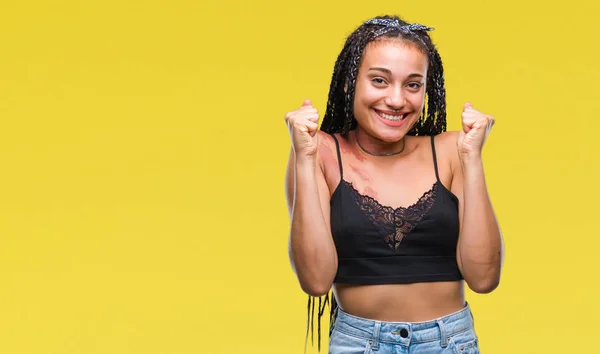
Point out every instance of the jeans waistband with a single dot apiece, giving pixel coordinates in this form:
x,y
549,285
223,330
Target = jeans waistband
x,y
405,332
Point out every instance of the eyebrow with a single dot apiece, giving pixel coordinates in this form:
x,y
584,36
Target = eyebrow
x,y
388,71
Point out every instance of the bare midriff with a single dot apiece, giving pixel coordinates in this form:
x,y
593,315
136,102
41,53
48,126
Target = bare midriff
x,y
416,302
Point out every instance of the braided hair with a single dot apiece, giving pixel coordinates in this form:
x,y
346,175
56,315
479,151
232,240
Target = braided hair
x,y
339,117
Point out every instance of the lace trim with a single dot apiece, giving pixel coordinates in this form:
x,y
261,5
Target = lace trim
x,y
394,224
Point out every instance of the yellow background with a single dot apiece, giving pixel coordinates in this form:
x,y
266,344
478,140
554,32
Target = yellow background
x,y
143,152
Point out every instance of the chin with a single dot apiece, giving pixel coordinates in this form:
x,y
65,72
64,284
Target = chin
x,y
390,136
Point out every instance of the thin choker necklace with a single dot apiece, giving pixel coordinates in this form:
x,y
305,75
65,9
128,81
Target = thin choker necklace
x,y
384,154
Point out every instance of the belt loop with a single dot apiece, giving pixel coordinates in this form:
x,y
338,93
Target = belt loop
x,y
375,340
443,334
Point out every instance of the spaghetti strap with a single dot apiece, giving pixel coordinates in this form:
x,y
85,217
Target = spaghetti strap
x,y
339,155
435,165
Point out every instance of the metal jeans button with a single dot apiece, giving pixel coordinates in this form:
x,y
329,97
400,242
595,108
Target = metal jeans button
x,y
403,332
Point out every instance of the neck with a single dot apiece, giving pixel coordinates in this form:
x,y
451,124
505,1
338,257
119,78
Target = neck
x,y
375,147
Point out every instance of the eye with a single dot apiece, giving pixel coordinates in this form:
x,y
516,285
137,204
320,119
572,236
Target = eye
x,y
378,81
415,85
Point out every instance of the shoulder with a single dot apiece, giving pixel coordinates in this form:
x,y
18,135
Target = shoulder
x,y
327,148
446,148
325,139
446,138
326,143
445,143
328,158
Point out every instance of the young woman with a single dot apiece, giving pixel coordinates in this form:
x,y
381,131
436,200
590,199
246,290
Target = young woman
x,y
387,208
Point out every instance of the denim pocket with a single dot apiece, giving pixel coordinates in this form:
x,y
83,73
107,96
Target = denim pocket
x,y
467,348
465,343
340,342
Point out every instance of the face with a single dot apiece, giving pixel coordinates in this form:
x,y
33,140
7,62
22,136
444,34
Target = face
x,y
390,89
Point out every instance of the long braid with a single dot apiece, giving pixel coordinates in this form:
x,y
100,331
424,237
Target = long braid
x,y
435,121
351,75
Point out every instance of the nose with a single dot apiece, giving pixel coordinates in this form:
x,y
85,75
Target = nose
x,y
395,99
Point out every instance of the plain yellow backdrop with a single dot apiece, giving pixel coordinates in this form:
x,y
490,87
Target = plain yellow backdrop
x,y
143,152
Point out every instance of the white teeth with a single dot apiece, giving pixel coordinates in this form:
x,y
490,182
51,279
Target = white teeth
x,y
391,117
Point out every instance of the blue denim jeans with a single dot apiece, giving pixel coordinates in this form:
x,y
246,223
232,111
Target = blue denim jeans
x,y
451,334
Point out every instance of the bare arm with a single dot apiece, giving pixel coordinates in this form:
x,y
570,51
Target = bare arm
x,y
480,248
311,248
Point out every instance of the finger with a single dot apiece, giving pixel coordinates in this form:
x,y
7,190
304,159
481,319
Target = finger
x,y
468,119
308,110
467,105
313,118
473,114
467,124
307,103
474,111
480,124
311,128
312,125
300,124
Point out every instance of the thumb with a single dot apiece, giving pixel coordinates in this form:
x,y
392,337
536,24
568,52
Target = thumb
x,y
307,103
467,105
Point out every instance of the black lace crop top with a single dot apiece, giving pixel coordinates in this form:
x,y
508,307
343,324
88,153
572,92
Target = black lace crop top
x,y
378,244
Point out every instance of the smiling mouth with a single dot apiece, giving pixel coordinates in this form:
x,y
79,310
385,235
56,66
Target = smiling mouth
x,y
394,117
